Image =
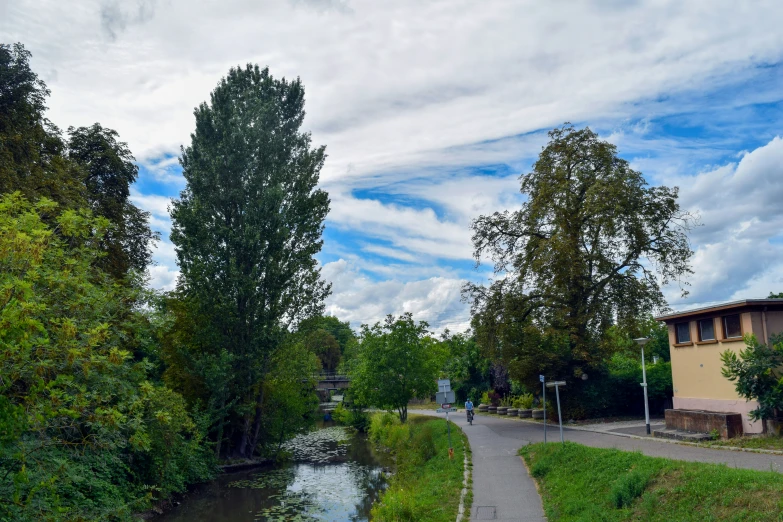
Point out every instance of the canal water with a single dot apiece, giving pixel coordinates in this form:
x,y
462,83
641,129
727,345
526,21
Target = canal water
x,y
333,476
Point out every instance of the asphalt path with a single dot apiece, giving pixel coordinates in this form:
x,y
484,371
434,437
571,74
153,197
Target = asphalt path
x,y
501,480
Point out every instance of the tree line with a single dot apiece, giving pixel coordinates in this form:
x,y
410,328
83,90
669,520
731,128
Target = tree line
x,y
114,395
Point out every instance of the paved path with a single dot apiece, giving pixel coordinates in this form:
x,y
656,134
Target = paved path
x,y
500,478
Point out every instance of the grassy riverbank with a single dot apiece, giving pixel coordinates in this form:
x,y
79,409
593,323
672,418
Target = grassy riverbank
x,y
427,485
579,483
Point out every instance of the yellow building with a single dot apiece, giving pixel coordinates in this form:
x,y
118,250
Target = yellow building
x,y
696,340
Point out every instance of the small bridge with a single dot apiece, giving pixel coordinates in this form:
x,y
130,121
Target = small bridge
x,y
332,381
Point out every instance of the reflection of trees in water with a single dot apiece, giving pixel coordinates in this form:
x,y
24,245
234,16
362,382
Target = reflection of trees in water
x,y
340,478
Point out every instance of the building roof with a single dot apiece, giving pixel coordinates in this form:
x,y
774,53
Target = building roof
x,y
743,303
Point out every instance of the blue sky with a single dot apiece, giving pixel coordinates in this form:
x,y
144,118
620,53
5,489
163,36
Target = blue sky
x,y
430,110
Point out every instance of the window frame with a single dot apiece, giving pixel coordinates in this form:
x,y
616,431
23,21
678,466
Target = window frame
x,y
677,340
702,340
724,329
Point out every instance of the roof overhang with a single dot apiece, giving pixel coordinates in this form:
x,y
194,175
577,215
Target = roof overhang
x,y
723,307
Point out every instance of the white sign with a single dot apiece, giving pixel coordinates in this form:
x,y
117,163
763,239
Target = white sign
x,y
552,384
444,385
445,397
442,410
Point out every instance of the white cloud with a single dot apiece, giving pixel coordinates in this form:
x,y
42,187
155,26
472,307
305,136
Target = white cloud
x,y
739,247
358,299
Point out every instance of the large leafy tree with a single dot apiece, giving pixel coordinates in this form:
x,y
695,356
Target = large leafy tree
x,y
109,171
591,245
247,227
395,362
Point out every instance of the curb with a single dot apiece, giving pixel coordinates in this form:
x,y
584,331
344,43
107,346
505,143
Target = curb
x,y
665,441
465,480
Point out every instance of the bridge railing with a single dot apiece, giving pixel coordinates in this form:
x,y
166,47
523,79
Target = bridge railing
x,y
331,376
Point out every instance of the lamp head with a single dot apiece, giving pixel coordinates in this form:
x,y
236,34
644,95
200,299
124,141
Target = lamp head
x,y
642,341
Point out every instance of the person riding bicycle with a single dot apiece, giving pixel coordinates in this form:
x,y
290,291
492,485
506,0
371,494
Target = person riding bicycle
x,y
469,409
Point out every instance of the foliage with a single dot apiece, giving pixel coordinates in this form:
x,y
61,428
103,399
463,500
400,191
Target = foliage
x,y
524,402
426,486
773,295
351,412
32,152
246,229
591,244
465,366
396,361
580,483
83,433
325,347
758,374
110,170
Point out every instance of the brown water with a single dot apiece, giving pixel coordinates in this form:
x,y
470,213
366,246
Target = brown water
x,y
334,476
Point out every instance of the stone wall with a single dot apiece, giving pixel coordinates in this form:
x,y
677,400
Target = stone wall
x,y
729,425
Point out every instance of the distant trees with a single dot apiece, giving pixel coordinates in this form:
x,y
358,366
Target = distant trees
x,y
246,229
396,361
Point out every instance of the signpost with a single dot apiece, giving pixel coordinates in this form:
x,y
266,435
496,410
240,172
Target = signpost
x,y
541,378
445,396
556,385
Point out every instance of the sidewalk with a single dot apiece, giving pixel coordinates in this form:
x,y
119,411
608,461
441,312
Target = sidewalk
x,y
502,487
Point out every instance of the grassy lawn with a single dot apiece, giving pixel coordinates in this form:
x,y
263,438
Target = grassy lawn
x,y
429,405
579,483
427,485
771,443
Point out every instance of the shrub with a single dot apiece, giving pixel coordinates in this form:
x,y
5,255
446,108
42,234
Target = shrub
x,y
485,398
524,402
628,488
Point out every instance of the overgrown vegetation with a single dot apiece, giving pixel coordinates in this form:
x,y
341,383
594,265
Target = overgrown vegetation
x,y
579,483
112,395
427,484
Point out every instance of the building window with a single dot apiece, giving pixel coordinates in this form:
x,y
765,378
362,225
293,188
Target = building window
x,y
706,330
731,326
683,332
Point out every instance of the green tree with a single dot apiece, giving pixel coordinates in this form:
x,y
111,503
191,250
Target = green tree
x,y
32,152
773,295
758,375
340,330
247,226
109,172
466,366
84,435
396,361
591,245
325,346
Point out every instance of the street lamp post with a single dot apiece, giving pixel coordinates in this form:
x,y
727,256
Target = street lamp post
x,y
641,342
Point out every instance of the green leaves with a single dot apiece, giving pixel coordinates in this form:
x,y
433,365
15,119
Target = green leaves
x,y
396,361
757,375
590,246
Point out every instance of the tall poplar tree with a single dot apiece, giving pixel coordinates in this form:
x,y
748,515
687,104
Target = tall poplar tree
x,y
247,226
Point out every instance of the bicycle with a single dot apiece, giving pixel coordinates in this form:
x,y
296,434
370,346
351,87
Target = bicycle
x,y
470,417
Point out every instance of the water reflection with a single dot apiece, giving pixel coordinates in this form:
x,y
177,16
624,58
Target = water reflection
x,y
340,487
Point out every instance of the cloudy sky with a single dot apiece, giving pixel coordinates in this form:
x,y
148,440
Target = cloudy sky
x,y
430,110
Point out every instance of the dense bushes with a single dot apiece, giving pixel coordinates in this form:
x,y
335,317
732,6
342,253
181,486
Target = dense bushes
x,y
84,433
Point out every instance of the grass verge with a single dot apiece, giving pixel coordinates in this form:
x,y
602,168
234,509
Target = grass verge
x,y
768,443
578,483
427,484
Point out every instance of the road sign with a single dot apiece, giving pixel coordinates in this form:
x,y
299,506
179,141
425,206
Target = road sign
x,y
445,397
444,385
541,378
552,384
446,410
445,406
